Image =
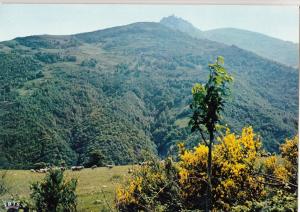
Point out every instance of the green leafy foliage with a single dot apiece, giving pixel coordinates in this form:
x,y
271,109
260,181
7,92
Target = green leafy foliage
x,y
54,193
208,100
208,103
95,157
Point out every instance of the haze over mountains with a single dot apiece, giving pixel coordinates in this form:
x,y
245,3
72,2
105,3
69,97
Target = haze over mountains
x,y
125,90
285,52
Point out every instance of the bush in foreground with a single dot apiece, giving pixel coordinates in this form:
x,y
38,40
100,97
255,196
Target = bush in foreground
x,y
54,193
152,187
241,179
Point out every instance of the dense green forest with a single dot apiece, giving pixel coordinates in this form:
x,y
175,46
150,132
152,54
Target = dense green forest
x,y
125,91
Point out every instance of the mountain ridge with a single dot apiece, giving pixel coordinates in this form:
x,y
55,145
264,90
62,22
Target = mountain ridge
x,y
285,52
125,93
251,31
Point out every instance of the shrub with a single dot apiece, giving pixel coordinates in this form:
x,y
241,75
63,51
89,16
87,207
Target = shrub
x,y
282,171
48,58
54,193
70,58
289,152
233,172
276,201
39,74
152,187
40,165
89,63
95,157
172,187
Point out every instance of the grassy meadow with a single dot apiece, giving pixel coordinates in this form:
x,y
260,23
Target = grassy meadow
x,y
95,187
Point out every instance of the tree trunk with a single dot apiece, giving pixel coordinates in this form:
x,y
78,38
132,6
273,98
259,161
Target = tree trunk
x,y
209,173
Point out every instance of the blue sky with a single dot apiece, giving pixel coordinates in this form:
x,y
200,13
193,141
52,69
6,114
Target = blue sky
x,y
22,20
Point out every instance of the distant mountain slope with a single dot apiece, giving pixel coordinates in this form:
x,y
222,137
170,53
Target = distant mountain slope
x,y
125,90
272,48
275,49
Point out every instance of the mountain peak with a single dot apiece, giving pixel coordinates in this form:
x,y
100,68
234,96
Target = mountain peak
x,y
177,23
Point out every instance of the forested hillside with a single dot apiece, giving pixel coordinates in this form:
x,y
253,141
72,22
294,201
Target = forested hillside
x,y
125,91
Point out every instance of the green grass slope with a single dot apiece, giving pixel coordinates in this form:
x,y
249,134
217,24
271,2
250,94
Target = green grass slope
x,y
95,189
